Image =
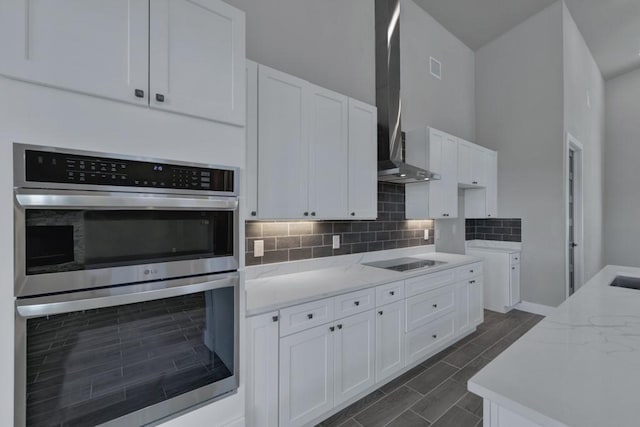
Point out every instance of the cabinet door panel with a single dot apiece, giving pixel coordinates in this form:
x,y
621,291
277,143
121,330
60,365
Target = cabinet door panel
x,y
492,184
306,375
449,180
476,302
262,375
283,145
514,285
89,46
354,356
465,155
328,151
363,161
197,59
463,306
251,132
389,340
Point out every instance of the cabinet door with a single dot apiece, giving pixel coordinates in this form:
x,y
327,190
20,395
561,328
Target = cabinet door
x,y
476,301
389,340
328,151
363,161
449,180
94,47
478,167
282,145
197,59
463,307
306,375
262,370
492,184
251,132
437,139
465,156
514,285
354,360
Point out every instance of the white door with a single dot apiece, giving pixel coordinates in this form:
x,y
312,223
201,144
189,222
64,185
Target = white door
x,y
389,340
328,151
90,46
251,132
478,166
283,144
262,370
476,302
363,161
492,184
514,285
465,156
197,59
354,361
463,306
306,375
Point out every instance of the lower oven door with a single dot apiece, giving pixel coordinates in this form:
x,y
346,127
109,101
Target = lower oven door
x,y
126,356
75,240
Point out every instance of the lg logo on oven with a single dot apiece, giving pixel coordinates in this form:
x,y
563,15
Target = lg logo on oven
x,y
149,271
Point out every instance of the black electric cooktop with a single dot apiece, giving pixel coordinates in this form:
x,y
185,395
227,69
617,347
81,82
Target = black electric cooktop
x,y
404,264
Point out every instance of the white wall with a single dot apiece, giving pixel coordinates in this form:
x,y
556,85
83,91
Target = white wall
x,y
330,43
519,113
584,119
622,174
37,115
446,104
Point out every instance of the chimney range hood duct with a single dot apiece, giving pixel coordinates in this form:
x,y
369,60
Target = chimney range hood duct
x,y
391,164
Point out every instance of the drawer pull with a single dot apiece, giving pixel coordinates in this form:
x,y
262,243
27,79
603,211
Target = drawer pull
x,y
274,318
471,282
381,312
513,268
434,336
392,293
435,305
331,329
470,271
310,316
516,258
339,326
356,303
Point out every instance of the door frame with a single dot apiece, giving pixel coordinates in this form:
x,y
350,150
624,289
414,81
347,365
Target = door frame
x,y
573,144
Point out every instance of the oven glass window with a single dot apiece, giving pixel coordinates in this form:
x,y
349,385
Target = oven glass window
x,y
71,240
86,368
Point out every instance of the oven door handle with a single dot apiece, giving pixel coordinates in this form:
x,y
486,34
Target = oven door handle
x,y
87,200
102,298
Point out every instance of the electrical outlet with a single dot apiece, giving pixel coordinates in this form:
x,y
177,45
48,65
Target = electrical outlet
x,y
258,248
426,234
336,241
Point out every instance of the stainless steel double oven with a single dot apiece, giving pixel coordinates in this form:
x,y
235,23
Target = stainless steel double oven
x,y
126,287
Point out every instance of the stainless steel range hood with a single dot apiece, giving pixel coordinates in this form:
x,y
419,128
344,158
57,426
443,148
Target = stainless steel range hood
x,y
391,163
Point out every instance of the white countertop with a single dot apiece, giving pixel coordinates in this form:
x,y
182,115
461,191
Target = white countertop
x,y
580,366
277,291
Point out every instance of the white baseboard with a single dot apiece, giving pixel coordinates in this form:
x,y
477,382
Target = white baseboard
x,y
531,307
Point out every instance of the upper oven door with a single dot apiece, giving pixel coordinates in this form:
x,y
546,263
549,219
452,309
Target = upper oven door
x,y
73,240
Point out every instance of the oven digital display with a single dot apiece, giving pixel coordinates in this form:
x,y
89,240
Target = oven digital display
x,y
42,166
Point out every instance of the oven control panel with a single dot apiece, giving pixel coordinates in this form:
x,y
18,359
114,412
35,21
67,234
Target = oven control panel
x,y
58,167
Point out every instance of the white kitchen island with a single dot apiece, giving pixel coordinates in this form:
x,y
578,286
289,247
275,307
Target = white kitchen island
x,y
579,367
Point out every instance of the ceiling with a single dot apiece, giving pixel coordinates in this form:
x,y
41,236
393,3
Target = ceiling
x,y
611,28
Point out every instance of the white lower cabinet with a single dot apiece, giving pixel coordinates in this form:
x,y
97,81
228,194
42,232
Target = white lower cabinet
x,y
390,320
262,370
476,304
423,341
354,352
306,375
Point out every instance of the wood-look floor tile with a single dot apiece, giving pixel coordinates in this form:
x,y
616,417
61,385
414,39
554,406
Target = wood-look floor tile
x,y
464,355
341,417
432,377
435,404
409,419
471,403
456,417
388,408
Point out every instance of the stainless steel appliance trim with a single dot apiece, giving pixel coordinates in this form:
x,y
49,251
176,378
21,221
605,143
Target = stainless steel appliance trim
x,y
69,199
20,181
159,412
120,295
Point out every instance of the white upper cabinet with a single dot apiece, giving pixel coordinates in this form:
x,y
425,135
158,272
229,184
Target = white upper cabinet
x,y
94,47
251,132
328,154
283,145
438,152
483,202
316,151
492,184
471,165
197,51
363,160
181,56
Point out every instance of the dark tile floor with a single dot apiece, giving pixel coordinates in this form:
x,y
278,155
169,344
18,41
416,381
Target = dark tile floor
x,y
434,393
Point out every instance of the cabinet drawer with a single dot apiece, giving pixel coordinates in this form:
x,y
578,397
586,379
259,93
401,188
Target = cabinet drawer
x,y
425,283
515,258
426,340
467,271
353,303
424,308
392,292
305,316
